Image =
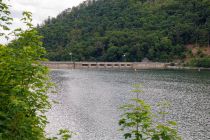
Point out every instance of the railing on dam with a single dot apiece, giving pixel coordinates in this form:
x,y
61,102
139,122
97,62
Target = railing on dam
x,y
104,65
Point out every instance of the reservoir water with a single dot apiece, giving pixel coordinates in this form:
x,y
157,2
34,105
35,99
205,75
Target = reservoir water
x,y
89,100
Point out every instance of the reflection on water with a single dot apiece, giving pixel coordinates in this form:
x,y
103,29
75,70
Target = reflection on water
x,y
89,100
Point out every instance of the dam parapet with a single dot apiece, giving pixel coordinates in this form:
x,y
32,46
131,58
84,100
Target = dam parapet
x,y
104,65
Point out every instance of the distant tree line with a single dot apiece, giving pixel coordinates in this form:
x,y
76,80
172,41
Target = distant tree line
x,y
127,30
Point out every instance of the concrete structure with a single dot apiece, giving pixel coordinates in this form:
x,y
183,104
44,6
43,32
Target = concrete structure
x,y
149,65
104,65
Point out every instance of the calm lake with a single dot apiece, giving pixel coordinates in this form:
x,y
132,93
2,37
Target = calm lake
x,y
89,100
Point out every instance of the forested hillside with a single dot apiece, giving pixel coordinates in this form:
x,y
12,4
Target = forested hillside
x,y
127,30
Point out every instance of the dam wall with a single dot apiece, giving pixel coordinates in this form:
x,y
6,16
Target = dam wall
x,y
104,65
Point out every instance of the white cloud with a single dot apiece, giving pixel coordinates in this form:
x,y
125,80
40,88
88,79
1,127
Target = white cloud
x,y
41,10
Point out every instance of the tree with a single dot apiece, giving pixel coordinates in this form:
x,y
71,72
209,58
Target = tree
x,y
138,122
158,27
24,84
5,19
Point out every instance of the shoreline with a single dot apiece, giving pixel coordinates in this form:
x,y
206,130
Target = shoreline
x,y
117,65
187,68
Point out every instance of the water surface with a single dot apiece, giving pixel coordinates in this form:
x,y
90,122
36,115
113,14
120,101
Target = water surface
x,y
89,100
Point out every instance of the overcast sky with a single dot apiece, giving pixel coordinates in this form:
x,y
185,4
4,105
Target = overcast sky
x,y
41,9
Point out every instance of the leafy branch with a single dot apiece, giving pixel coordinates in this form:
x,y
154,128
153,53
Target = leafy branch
x,y
138,121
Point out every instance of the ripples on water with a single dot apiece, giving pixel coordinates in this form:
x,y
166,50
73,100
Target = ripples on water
x,y
89,100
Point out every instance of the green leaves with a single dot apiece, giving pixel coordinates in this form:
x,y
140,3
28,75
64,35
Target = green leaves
x,y
127,135
137,121
106,30
27,19
24,83
63,134
200,62
5,19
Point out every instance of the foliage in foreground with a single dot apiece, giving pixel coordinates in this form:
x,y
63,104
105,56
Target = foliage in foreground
x,y
138,122
24,83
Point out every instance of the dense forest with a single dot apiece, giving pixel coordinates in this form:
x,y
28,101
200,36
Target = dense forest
x,y
127,30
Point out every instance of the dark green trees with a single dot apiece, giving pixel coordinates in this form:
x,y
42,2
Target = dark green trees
x,y
157,29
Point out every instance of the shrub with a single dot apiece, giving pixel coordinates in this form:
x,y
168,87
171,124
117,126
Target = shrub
x,y
200,62
24,83
138,122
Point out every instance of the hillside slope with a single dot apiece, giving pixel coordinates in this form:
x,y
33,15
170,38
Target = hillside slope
x,y
127,30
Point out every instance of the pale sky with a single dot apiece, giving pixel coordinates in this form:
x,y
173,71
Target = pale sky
x,y
41,10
